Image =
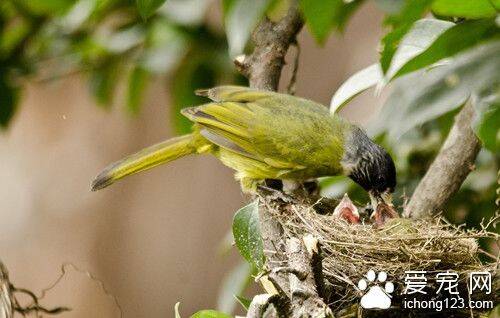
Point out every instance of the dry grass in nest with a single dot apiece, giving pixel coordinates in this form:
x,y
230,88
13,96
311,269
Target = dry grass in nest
x,y
351,250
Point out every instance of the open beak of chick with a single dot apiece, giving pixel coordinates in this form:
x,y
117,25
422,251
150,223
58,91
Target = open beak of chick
x,y
383,208
347,211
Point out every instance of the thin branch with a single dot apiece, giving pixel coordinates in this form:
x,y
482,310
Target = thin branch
x,y
35,307
263,69
272,40
292,87
449,169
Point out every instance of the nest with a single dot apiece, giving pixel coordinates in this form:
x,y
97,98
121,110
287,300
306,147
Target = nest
x,y
349,251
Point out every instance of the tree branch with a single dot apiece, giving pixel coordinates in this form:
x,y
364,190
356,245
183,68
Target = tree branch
x,y
449,169
306,301
263,69
272,40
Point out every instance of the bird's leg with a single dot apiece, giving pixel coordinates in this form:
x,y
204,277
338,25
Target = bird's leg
x,y
271,186
347,211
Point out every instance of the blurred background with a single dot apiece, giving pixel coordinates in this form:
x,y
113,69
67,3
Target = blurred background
x,y
106,86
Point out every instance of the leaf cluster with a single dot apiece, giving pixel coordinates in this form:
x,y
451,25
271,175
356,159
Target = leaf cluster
x,y
112,42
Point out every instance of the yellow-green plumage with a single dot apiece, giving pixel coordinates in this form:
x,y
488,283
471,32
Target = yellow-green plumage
x,y
260,134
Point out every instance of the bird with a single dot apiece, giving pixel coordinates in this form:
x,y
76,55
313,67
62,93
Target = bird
x,y
269,135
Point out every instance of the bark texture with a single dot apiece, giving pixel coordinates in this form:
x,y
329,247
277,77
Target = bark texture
x,y
272,40
295,284
449,169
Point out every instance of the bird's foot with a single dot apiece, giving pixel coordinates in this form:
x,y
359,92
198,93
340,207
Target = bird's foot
x,y
347,211
383,213
265,188
270,191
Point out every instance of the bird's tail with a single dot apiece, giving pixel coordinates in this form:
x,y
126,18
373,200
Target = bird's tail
x,y
150,157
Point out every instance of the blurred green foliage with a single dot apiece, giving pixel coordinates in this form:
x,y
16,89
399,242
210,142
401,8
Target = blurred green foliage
x,y
112,42
147,8
322,16
471,9
208,313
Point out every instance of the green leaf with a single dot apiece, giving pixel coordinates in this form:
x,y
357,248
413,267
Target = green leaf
x,y
390,6
137,83
188,13
9,96
423,96
226,6
487,123
246,232
278,9
334,187
322,16
11,37
401,23
470,9
241,18
450,42
164,48
147,8
319,17
46,7
422,34
210,314
243,301
234,283
103,80
122,40
344,11
355,85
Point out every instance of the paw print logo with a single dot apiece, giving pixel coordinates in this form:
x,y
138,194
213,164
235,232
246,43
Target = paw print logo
x,y
375,297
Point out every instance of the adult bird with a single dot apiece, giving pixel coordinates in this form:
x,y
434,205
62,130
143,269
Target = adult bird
x,y
267,135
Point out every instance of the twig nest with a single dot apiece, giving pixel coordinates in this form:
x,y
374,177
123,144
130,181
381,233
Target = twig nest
x,y
350,251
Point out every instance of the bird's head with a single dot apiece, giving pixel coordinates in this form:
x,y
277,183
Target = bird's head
x,y
381,180
370,166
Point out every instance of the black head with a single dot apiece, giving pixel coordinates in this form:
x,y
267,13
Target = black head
x,y
369,165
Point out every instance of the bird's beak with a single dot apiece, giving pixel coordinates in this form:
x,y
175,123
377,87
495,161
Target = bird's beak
x,y
383,208
374,199
347,210
387,198
384,197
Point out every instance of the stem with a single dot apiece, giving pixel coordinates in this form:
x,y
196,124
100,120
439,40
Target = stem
x,y
263,69
272,40
449,169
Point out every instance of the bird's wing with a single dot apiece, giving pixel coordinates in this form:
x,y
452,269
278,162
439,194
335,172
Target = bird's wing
x,y
234,94
283,131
